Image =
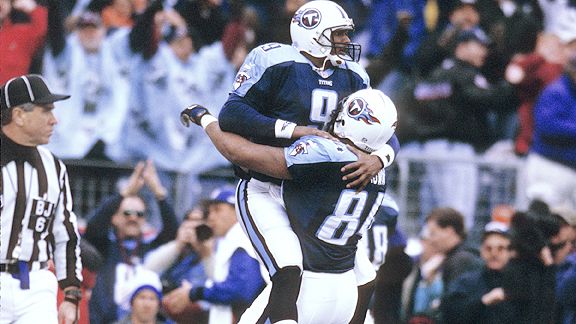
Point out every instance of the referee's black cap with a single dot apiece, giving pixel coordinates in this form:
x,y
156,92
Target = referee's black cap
x,y
27,89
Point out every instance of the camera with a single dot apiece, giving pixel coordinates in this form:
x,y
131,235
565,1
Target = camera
x,y
203,232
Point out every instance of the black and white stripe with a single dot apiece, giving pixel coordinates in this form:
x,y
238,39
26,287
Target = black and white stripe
x,y
31,189
28,90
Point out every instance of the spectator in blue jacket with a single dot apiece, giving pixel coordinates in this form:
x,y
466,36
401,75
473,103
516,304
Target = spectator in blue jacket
x,y
235,279
551,162
116,229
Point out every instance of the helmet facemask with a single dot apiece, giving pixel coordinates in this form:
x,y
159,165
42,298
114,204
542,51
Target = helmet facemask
x,y
337,52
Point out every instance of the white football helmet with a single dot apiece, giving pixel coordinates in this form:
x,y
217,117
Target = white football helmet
x,y
367,117
311,32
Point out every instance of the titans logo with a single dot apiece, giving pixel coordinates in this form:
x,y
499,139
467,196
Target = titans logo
x,y
309,18
358,110
241,77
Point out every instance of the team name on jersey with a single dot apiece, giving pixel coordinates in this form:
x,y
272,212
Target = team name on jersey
x,y
325,82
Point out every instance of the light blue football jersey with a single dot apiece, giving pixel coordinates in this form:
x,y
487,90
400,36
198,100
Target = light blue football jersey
x,y
327,217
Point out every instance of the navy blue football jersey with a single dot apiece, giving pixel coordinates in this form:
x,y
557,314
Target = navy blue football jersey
x,y
377,236
327,217
277,82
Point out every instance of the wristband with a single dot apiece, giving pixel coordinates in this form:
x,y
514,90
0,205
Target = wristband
x,y
386,155
72,300
207,120
73,296
284,129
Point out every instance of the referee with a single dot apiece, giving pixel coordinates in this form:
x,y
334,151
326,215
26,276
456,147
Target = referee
x,y
37,222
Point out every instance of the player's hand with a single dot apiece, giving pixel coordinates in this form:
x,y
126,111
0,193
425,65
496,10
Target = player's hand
x,y
360,173
68,313
193,114
177,300
301,131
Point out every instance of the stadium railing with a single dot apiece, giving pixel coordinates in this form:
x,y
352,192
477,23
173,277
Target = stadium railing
x,y
500,182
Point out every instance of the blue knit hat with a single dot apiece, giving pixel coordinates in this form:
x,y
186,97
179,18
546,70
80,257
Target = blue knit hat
x,y
224,194
144,287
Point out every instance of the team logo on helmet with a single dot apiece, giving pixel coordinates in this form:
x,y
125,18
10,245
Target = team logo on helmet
x,y
309,18
358,110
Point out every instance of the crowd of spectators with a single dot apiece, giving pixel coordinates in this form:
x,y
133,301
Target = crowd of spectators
x,y
465,75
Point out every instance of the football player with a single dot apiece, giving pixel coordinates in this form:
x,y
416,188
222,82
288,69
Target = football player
x,y
327,216
282,93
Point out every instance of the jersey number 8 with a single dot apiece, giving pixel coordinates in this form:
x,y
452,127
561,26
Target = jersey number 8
x,y
344,221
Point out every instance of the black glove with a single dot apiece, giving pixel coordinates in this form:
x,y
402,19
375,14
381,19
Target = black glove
x,y
193,113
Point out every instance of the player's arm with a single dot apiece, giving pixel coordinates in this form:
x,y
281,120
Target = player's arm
x,y
239,117
238,150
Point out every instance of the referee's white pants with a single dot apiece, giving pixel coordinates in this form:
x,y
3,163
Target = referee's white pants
x,y
327,298
34,305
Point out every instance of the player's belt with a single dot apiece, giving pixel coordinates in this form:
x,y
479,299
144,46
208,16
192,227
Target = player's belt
x,y
265,178
13,268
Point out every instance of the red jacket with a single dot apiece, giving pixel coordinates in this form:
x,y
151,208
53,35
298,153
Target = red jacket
x,y
539,73
19,43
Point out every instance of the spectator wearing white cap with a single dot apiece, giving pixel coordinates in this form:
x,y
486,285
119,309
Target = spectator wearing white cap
x,y
235,279
477,296
141,297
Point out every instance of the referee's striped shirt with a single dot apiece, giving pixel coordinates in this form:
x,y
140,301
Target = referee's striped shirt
x,y
37,222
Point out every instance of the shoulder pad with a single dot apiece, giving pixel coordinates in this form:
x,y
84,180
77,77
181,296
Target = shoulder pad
x,y
259,60
314,149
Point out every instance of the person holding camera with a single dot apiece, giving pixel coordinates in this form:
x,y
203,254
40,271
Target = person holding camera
x,y
185,259
235,277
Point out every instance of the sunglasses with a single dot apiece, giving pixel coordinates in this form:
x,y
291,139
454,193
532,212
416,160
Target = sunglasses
x,y
559,245
138,213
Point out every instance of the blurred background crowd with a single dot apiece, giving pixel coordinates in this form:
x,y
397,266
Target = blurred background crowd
x,y
470,79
